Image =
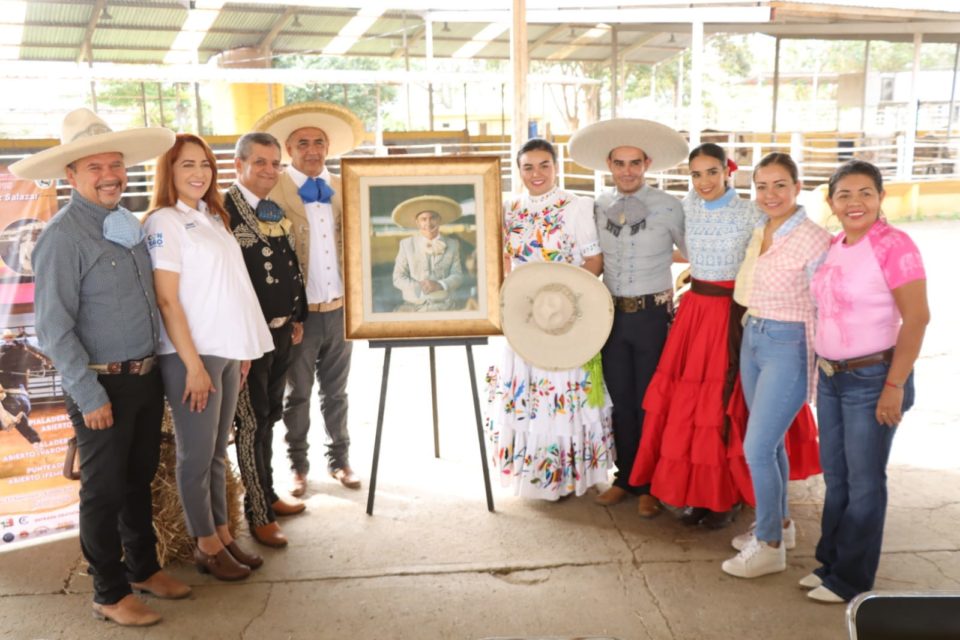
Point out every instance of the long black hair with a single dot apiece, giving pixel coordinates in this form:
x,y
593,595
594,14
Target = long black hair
x,y
855,168
537,144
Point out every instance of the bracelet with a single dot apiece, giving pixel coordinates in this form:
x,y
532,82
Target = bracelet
x,y
887,383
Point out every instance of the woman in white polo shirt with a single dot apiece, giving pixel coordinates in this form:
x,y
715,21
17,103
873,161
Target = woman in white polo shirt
x,y
212,327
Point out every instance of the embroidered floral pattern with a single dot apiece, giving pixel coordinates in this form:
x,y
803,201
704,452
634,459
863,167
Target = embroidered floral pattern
x,y
545,439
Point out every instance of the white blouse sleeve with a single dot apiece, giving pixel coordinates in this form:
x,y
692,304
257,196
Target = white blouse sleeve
x,y
584,227
163,240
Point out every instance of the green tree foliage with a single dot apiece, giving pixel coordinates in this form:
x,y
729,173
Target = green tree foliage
x,y
359,98
168,104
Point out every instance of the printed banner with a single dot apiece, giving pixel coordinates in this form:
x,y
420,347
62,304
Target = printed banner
x,y
36,500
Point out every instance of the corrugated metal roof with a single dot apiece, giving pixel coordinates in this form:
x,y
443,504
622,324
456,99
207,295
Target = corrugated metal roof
x,y
142,30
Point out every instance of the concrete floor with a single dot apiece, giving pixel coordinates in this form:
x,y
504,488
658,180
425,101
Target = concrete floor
x,y
433,563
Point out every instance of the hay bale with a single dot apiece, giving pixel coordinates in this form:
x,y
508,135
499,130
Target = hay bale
x,y
173,541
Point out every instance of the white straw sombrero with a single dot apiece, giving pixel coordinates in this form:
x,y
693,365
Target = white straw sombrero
x,y
555,316
84,134
590,146
344,129
405,213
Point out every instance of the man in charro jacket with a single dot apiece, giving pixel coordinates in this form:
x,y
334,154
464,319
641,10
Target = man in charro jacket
x,y
310,197
264,235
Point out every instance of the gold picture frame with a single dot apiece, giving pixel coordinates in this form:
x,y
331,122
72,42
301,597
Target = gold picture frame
x,y
383,299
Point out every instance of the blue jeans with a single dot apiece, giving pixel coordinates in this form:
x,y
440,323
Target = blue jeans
x,y
773,371
854,448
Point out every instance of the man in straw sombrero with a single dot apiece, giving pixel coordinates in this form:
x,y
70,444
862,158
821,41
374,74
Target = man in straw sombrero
x,y
310,196
638,227
427,270
97,320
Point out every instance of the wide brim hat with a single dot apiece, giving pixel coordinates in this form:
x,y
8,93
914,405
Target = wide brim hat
x,y
343,128
555,316
405,213
84,134
590,146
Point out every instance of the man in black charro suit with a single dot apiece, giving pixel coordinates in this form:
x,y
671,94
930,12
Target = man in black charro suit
x,y
263,233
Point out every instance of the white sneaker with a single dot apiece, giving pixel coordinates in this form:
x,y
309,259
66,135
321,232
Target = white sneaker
x,y
756,559
789,536
822,594
811,581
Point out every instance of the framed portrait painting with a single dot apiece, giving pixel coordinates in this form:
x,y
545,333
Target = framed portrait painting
x,y
422,247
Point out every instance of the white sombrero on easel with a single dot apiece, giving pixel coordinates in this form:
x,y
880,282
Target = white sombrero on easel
x,y
344,130
555,316
405,214
591,146
84,134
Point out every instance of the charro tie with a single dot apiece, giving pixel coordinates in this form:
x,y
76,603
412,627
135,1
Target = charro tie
x,y
316,190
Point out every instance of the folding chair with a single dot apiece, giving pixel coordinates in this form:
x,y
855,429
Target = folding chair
x,y
904,615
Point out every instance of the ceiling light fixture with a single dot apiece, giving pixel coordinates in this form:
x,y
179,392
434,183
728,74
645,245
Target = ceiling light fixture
x,y
446,27
105,15
296,21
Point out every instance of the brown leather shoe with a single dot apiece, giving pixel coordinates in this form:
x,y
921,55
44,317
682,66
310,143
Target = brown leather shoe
x,y
299,485
648,506
613,495
129,611
252,560
269,534
346,477
282,508
162,585
222,566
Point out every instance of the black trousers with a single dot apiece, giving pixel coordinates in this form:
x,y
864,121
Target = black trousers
x,y
259,408
117,466
630,359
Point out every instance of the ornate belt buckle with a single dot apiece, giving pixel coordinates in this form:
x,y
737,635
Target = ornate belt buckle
x,y
136,366
630,305
826,367
114,367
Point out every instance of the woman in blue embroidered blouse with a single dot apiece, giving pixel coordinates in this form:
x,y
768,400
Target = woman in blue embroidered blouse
x,y
691,449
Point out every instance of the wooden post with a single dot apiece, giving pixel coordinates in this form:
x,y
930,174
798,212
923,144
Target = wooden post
x,y
696,84
520,60
776,87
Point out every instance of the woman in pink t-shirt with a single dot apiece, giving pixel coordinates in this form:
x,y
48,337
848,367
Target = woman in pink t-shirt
x,y
872,311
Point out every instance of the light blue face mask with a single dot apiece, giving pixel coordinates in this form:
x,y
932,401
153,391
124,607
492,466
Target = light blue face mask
x,y
122,227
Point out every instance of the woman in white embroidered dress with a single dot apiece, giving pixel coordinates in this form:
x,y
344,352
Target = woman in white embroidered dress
x,y
549,439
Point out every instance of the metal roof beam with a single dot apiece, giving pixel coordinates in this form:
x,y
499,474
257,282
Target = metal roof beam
x,y
413,38
545,38
583,39
629,50
294,77
266,44
852,30
682,15
86,47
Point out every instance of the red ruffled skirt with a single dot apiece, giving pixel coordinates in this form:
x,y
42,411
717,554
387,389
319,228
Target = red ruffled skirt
x,y
684,453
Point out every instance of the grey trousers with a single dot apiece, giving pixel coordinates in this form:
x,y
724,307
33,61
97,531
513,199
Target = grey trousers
x,y
324,354
202,441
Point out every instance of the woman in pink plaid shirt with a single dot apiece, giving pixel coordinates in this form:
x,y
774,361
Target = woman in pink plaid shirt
x,y
776,357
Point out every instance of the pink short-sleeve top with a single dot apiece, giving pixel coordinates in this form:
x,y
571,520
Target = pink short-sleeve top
x,y
853,289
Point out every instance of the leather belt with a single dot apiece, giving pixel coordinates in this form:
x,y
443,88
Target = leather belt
x,y
326,306
279,323
129,367
833,367
632,304
710,289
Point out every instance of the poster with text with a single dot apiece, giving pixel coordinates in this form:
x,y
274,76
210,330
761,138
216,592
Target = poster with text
x,y
36,500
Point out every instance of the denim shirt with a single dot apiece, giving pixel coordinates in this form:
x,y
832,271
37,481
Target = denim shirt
x,y
94,299
637,256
